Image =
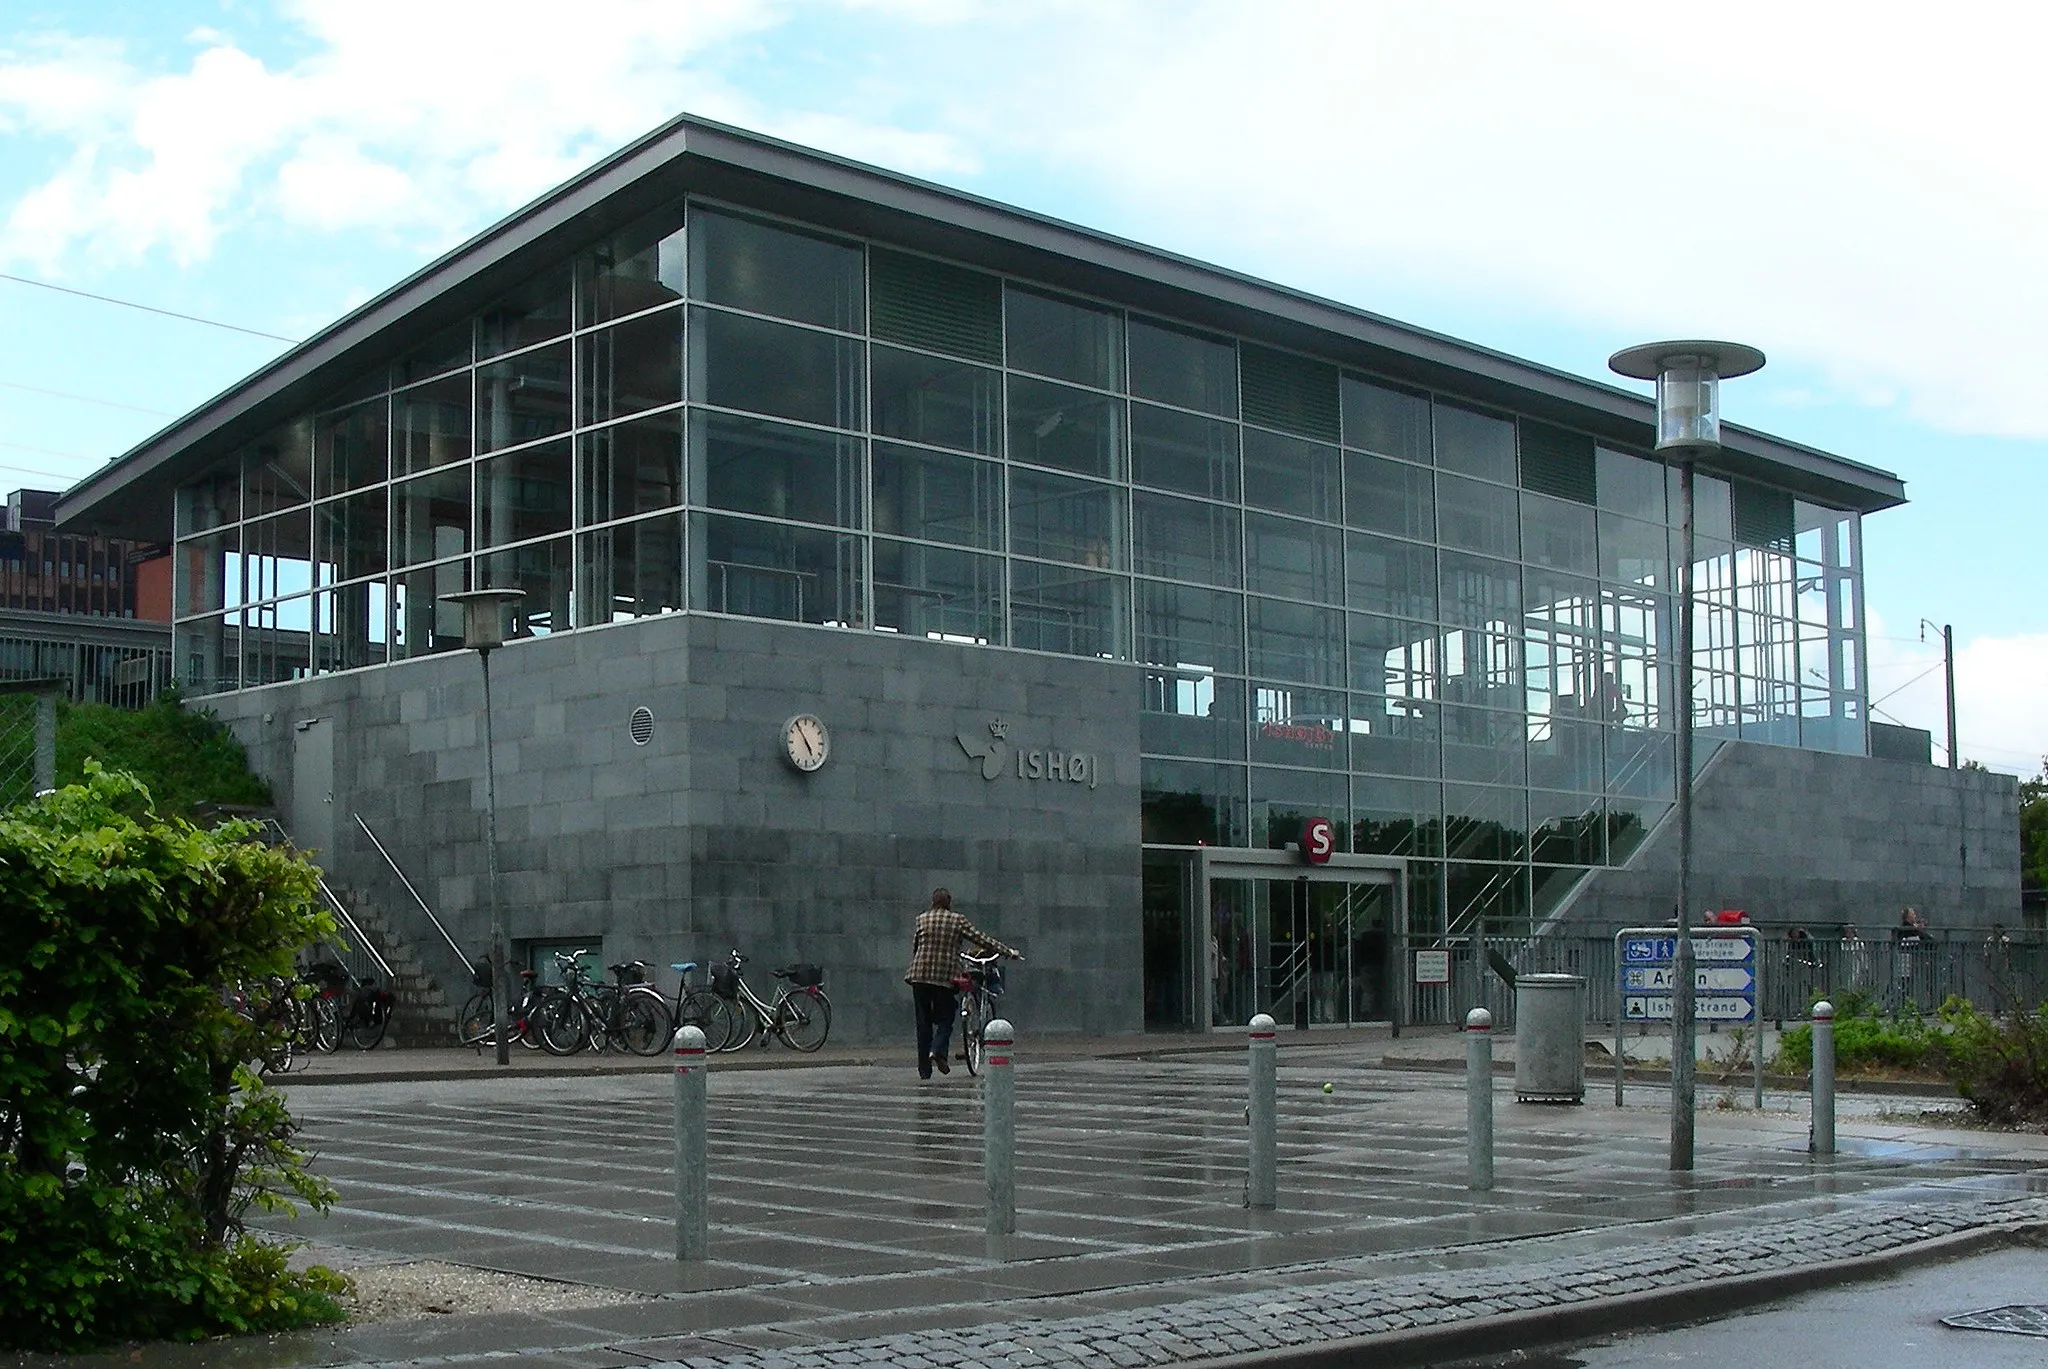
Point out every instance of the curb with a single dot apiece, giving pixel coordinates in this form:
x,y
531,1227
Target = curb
x,y
1784,1083
1652,1309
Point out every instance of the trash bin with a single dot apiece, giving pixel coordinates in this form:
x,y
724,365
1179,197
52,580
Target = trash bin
x,y
1550,1038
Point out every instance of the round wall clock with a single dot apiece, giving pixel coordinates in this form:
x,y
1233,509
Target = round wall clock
x,y
805,742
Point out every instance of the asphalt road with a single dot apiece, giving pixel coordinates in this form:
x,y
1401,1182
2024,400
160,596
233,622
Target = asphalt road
x,y
1889,1324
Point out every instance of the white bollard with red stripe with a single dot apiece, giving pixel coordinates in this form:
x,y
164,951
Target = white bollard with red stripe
x,y
999,1127
1261,1188
1479,1100
693,1187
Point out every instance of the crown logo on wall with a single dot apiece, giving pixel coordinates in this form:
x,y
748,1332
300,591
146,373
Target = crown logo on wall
x,y
998,729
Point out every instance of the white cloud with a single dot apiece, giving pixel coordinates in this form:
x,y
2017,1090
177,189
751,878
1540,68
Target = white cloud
x,y
2000,721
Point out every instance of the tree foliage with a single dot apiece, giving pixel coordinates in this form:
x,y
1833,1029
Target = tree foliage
x,y
2034,830
134,1135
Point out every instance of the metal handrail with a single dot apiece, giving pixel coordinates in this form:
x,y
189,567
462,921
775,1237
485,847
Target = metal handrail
x,y
274,830
416,898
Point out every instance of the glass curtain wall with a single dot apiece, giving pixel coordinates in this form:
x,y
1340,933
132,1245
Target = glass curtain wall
x,y
1445,626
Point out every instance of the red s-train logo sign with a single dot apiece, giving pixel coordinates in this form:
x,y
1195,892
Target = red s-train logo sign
x,y
1318,840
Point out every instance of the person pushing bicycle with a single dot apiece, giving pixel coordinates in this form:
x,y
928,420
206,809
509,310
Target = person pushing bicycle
x,y
934,964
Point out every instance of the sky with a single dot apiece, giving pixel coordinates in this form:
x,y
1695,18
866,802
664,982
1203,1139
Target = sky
x,y
1858,191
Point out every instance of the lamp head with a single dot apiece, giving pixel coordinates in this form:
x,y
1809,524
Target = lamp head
x,y
483,615
1688,375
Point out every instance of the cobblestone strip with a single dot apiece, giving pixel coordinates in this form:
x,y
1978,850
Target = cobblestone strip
x,y
1253,1322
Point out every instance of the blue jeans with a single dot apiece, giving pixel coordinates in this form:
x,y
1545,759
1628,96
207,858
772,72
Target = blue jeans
x,y
937,1005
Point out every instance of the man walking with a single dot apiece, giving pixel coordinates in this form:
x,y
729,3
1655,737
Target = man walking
x,y
934,965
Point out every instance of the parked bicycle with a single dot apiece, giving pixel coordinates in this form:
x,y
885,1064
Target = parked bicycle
x,y
800,1014
477,1026
335,1005
699,1006
581,1011
981,990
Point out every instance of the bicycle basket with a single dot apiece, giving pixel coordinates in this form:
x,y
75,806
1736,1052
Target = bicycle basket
x,y
631,972
725,982
804,975
480,974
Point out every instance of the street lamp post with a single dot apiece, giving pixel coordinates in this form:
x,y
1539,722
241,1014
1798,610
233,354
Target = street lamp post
x,y
1688,376
483,631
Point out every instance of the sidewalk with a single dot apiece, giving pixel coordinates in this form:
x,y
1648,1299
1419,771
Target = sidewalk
x,y
846,1218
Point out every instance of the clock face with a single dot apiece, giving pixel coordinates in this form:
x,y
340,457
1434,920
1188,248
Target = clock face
x,y
805,742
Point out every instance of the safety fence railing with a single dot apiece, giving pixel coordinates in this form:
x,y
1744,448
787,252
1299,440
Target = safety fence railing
x,y
1997,972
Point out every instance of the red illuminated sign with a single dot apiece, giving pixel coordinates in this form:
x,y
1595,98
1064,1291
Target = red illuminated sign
x,y
1318,840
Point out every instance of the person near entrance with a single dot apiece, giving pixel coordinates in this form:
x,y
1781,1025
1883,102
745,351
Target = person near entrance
x,y
934,966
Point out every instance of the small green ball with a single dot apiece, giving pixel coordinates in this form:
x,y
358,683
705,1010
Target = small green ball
x,y
1329,1088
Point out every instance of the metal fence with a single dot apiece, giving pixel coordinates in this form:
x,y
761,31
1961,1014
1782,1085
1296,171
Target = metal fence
x,y
28,739
1996,975
122,674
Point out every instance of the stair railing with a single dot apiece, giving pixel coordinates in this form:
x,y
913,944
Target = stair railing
x,y
360,947
460,954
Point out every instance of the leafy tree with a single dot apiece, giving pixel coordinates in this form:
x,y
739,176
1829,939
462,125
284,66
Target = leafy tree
x,y
2034,830
134,1135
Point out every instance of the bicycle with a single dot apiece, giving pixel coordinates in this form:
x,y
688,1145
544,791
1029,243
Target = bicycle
x,y
477,1025
801,1014
699,1006
981,986
629,1013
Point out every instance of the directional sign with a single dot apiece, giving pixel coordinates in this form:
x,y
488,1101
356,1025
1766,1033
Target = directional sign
x,y
1662,977
1657,1008
1662,950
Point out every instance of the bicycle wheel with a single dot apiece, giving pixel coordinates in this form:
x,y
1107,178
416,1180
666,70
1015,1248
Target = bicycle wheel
x,y
563,1027
708,1013
745,1022
804,1019
973,1023
600,1018
326,1008
478,1025
641,1026
368,1017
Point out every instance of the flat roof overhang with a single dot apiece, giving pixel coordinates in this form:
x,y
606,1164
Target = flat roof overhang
x,y
130,496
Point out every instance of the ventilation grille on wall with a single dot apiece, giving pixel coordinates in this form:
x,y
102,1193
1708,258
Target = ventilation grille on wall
x,y
941,308
1557,462
641,726
1763,517
1289,392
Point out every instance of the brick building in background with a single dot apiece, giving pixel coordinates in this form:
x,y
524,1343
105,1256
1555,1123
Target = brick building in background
x,y
94,611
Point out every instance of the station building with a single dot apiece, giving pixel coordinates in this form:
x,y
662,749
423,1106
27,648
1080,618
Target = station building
x,y
1105,572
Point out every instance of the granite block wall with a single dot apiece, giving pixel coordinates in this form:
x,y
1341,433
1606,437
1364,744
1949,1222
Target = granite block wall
x,y
705,838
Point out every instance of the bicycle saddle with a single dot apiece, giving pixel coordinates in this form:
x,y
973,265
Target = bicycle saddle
x,y
682,966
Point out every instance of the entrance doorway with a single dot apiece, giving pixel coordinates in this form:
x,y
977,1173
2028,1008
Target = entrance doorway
x,y
1232,933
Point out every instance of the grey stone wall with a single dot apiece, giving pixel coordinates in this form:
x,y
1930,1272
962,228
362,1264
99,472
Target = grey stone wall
x,y
706,839
1815,839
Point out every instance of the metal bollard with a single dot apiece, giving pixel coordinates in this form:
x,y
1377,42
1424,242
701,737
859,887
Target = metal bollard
x,y
1823,1136
999,1127
1479,1099
693,1229
1262,1185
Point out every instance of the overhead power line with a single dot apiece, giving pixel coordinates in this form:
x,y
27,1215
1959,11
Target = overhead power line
x,y
146,308
83,399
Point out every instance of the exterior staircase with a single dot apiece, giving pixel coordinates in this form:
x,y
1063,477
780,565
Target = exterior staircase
x,y
426,1003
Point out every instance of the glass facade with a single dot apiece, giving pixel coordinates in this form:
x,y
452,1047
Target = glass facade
x,y
1445,626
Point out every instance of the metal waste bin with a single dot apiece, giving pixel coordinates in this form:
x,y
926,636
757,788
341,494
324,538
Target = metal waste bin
x,y
1550,1038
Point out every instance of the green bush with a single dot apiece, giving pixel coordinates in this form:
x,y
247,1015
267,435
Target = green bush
x,y
134,1135
1999,1063
184,756
1865,1040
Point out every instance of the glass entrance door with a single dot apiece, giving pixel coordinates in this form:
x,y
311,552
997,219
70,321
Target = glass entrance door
x,y
1311,952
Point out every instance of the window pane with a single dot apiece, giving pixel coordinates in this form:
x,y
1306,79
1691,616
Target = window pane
x,y
1296,726
1478,591
430,424
931,399
211,500
1290,641
1476,517
632,366
773,570
1292,475
1559,534
639,269
1475,443
632,468
1191,804
633,570
1295,559
774,270
1179,625
430,518
1396,817
771,368
1633,551
1184,452
1485,824
543,570
1395,657
935,592
750,466
1282,800
937,496
1183,539
1184,368
535,312
423,622
274,641
1396,578
1066,520
351,626
277,471
353,448
1388,421
1395,736
277,556
209,573
1484,744
1069,611
447,350
524,494
1566,829
351,536
523,398
1629,484
1074,430
1064,338
1386,496
1192,713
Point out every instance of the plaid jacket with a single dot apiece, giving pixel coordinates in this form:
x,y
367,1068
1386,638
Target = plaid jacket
x,y
935,948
